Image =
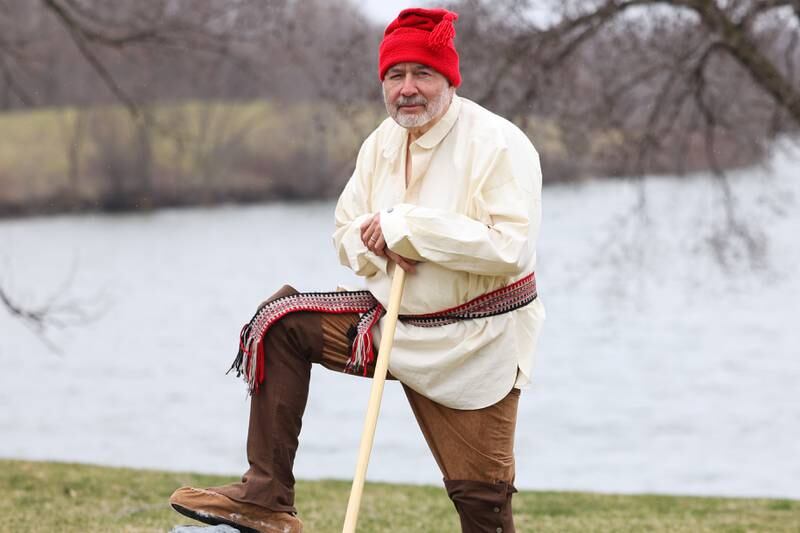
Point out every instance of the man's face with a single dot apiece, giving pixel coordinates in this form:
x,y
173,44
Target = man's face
x,y
415,94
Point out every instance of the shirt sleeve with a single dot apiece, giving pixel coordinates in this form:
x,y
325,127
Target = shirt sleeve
x,y
352,210
498,242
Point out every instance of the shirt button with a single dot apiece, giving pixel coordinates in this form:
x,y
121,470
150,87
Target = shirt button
x,y
496,509
499,530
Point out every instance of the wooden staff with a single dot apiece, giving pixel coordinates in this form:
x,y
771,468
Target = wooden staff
x,y
376,393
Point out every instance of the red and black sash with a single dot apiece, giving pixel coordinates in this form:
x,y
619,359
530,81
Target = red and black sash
x,y
250,359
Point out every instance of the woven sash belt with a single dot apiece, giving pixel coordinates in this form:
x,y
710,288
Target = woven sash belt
x,y
250,359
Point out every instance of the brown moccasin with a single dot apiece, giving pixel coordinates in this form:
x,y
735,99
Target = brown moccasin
x,y
213,508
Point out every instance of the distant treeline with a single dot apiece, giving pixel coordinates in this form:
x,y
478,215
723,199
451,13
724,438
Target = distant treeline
x,y
117,106
192,153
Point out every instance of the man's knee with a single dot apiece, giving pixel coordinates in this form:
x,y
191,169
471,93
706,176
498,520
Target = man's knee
x,y
298,331
286,290
289,324
483,507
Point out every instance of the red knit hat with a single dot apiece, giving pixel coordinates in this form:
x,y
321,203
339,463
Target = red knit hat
x,y
424,36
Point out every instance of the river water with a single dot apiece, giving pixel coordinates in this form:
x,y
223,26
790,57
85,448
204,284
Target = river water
x,y
661,368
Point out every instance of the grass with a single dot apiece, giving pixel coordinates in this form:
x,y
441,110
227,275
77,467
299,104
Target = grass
x,y
46,497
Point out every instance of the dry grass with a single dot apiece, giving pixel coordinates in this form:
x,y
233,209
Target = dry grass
x,y
184,153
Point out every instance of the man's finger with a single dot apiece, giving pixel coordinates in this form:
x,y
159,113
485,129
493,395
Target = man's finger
x,y
405,265
370,226
365,228
401,261
406,260
367,234
374,235
395,256
369,239
380,246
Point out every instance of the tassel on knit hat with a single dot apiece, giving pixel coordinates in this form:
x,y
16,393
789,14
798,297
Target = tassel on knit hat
x,y
424,36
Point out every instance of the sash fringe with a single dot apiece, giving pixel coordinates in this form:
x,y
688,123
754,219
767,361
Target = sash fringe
x,y
249,360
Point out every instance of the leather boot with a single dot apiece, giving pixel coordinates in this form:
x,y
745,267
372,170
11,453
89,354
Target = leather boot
x,y
213,508
482,506
276,412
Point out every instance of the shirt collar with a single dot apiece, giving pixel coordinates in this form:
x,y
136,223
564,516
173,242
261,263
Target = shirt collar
x,y
431,138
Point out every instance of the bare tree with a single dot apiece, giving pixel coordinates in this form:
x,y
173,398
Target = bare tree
x,y
640,86
85,52
96,28
659,76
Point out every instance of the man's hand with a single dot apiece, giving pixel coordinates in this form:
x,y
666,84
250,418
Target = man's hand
x,y
372,237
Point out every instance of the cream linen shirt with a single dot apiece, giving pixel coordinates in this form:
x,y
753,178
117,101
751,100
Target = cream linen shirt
x,y
470,214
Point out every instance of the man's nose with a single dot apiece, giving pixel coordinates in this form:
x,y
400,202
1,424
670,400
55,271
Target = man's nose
x,y
409,88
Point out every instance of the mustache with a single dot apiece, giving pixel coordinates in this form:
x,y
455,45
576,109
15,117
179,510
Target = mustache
x,y
411,100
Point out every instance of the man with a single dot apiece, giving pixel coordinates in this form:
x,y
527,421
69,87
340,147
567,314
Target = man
x,y
451,193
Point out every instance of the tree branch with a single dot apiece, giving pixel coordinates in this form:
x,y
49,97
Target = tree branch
x,y
738,44
763,72
80,35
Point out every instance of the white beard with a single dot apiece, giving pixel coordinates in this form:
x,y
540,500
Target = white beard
x,y
432,109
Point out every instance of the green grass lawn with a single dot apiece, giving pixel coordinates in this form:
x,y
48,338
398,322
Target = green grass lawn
x,y
57,497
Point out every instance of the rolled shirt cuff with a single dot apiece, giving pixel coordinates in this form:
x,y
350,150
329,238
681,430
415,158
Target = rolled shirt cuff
x,y
396,232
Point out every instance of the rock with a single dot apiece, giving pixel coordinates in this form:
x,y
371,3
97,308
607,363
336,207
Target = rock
x,y
204,529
